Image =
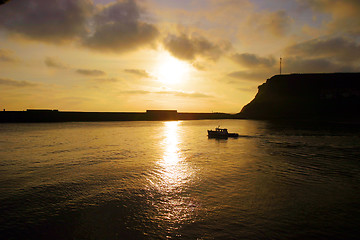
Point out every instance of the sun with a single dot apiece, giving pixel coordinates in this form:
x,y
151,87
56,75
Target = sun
x,y
170,70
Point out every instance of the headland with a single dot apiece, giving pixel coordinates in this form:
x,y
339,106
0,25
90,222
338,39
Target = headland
x,y
306,96
317,96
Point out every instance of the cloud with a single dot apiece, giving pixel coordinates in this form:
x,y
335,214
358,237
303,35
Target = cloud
x,y
168,92
7,56
199,66
90,72
191,47
57,22
276,23
185,94
317,65
106,80
250,75
252,60
135,92
138,72
338,48
16,83
117,28
345,15
259,67
297,64
55,63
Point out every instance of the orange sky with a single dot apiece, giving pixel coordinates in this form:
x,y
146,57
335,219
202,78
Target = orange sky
x,y
198,56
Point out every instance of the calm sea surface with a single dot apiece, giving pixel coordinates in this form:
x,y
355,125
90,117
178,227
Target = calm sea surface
x,y
158,180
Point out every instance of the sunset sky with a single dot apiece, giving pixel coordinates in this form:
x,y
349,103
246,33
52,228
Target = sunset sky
x,y
189,55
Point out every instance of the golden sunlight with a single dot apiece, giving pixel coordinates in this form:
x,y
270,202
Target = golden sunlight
x,y
171,142
171,178
171,70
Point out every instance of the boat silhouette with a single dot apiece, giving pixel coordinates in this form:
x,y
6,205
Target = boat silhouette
x,y
221,133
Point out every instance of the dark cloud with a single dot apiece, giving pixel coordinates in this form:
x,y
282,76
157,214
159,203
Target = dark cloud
x,y
118,28
15,83
336,54
333,6
318,65
190,47
138,72
338,48
55,22
90,72
252,60
55,63
250,75
345,14
295,65
7,56
3,1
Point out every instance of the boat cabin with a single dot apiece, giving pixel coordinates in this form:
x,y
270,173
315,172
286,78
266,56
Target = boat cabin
x,y
221,130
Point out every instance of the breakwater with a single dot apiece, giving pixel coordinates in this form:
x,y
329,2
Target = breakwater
x,y
38,115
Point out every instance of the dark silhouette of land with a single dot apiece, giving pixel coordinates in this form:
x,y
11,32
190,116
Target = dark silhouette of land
x,y
293,96
307,96
43,115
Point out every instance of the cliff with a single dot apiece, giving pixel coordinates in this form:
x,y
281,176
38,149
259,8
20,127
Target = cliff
x,y
332,95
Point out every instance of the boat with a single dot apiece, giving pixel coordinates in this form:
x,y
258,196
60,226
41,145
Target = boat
x,y
221,133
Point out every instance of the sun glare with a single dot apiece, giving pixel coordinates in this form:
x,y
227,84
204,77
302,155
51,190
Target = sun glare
x,y
170,70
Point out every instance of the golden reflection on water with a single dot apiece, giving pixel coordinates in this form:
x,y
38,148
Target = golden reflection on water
x,y
171,141
170,181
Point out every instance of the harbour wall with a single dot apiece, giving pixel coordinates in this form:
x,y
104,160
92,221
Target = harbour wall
x,y
33,115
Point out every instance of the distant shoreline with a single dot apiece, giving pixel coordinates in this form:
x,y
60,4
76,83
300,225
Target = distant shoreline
x,y
38,115
53,116
313,97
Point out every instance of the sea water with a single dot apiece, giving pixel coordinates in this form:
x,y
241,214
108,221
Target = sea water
x,y
158,180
